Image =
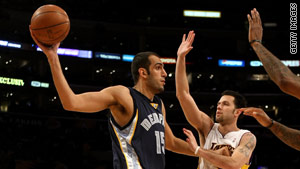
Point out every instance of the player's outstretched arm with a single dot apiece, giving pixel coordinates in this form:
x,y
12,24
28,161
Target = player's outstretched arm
x,y
240,156
198,119
85,102
173,143
284,78
287,135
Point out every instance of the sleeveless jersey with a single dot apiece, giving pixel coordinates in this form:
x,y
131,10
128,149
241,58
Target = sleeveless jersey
x,y
215,141
141,143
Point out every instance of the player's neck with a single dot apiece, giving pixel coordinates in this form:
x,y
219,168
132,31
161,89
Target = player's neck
x,y
226,128
144,90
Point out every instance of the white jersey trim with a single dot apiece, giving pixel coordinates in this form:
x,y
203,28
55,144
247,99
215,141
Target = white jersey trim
x,y
125,136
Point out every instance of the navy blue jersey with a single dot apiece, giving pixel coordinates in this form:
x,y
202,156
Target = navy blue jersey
x,y
140,143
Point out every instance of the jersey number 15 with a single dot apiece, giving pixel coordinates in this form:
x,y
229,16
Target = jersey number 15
x,y
160,142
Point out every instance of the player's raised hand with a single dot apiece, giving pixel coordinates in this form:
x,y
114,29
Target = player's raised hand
x,y
191,139
186,44
48,50
255,26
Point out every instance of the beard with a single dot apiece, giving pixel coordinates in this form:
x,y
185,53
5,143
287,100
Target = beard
x,y
156,86
221,119
161,89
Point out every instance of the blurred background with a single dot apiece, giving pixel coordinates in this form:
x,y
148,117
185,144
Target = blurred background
x,y
36,133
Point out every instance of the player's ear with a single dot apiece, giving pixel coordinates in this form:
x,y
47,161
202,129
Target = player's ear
x,y
238,112
142,72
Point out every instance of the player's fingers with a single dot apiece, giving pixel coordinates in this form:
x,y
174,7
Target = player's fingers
x,y
249,19
253,16
183,37
187,132
189,36
248,113
33,37
258,17
192,39
242,109
188,140
255,113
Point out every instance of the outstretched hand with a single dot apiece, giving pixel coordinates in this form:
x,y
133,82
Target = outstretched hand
x,y
255,26
49,51
186,44
258,114
191,139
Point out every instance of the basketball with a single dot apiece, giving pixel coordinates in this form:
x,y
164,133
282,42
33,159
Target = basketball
x,y
50,24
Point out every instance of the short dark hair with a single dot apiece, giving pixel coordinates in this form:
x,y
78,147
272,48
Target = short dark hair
x,y
141,60
239,100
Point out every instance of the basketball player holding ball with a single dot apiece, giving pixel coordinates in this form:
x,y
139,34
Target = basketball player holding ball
x,y
138,126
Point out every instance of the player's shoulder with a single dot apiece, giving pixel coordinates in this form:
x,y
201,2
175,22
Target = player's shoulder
x,y
249,134
249,137
121,94
119,88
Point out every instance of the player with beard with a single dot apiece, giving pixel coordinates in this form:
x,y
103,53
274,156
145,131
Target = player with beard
x,y
213,136
137,124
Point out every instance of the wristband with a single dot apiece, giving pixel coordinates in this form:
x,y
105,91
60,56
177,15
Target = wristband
x,y
196,151
254,41
272,122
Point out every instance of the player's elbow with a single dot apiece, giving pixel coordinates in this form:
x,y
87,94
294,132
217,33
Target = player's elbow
x,y
283,83
72,103
287,85
182,95
68,106
178,94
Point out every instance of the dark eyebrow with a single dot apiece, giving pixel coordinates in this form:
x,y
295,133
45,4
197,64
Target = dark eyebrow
x,y
159,63
225,101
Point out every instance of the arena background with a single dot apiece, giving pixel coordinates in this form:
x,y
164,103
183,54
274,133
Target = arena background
x,y
35,131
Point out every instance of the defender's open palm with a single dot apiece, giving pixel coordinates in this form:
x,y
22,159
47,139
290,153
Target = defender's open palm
x,y
186,44
258,114
191,139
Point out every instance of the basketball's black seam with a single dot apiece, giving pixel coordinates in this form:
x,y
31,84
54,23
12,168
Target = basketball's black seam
x,y
59,36
50,26
48,12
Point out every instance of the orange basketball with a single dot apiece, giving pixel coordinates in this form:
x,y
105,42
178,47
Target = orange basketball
x,y
50,24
